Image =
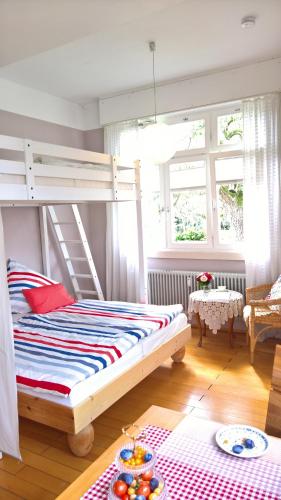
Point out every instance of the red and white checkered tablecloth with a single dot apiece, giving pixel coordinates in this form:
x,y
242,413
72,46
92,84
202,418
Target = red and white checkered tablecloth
x,y
195,470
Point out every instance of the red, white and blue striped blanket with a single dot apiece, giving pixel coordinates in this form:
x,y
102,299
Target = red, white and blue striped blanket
x,y
57,350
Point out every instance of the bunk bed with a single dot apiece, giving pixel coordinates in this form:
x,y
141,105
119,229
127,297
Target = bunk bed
x,y
39,174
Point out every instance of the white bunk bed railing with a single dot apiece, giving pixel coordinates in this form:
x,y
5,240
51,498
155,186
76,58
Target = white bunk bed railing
x,y
32,171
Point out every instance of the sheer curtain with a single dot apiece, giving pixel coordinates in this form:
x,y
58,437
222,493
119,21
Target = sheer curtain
x,y
124,280
9,436
262,207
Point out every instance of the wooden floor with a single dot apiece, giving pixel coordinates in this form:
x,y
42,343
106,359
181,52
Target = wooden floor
x,y
214,382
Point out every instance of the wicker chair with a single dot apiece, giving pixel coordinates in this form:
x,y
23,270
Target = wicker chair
x,y
258,312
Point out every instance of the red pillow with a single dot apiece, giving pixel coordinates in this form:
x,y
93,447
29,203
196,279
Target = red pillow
x,y
47,298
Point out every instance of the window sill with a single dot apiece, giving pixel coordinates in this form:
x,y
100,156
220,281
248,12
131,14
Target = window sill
x,y
199,254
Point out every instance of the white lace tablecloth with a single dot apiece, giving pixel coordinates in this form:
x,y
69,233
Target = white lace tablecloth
x,y
215,307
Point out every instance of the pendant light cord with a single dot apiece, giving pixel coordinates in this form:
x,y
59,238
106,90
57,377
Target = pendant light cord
x,y
152,47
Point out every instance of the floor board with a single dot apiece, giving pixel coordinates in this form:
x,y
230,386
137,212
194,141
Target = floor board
x,y
214,382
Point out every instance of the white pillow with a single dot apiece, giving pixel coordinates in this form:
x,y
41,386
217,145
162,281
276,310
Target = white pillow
x,y
20,277
275,293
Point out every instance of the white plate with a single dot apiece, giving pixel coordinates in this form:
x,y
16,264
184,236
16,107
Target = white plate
x,y
231,435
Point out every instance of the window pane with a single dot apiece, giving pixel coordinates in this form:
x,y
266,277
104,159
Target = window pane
x,y
230,129
229,175
189,134
188,201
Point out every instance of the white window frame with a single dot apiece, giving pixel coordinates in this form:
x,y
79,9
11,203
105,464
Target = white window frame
x,y
212,151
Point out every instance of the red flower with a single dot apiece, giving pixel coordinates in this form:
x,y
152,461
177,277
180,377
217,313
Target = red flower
x,y
204,277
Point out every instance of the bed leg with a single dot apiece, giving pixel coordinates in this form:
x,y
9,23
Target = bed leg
x,y
81,443
179,355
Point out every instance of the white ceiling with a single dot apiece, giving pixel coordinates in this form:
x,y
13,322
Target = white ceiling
x,y
84,49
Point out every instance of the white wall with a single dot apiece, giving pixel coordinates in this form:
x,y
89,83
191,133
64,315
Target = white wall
x,y
224,86
40,105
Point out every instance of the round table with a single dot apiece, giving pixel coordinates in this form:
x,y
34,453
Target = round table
x,y
214,308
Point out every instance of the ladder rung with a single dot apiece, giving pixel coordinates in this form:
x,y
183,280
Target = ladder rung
x,y
90,292
71,241
78,275
76,258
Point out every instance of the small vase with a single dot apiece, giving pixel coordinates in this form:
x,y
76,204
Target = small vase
x,y
204,286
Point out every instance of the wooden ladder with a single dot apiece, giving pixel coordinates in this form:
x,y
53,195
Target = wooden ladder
x,y
66,243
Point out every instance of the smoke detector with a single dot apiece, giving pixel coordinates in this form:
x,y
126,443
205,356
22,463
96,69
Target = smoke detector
x,y
248,22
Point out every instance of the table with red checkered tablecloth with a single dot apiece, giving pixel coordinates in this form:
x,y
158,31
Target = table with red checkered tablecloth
x,y
196,470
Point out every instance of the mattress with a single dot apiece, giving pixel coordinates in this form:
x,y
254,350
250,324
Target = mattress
x,y
97,381
59,349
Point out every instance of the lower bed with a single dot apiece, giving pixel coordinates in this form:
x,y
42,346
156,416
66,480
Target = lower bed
x,y
93,384
90,397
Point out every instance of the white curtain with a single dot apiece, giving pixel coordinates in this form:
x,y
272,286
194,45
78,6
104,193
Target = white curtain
x,y
124,279
9,435
262,207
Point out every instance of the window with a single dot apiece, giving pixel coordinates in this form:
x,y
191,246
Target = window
x,y
188,201
198,204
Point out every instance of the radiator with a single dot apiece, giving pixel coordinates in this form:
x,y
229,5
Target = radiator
x,y
174,287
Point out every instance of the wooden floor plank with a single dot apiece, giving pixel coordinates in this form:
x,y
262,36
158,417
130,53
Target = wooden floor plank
x,y
214,382
65,458
24,489
8,495
46,481
43,464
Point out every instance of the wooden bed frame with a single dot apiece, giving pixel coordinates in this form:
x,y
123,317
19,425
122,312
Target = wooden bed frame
x,y
35,173
77,421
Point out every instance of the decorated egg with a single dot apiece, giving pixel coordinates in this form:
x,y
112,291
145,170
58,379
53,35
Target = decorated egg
x,y
126,454
144,489
140,497
157,491
154,483
120,488
147,475
152,496
237,448
249,443
126,477
125,497
147,457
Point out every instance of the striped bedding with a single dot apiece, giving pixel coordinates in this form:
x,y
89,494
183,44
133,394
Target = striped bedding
x,y
57,350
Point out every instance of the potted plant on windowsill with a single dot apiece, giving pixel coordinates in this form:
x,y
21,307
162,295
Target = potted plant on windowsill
x,y
204,280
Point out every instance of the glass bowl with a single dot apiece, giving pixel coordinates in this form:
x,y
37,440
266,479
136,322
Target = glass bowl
x,y
163,495
137,469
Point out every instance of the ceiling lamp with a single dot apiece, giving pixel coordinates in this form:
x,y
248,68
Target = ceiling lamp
x,y
157,143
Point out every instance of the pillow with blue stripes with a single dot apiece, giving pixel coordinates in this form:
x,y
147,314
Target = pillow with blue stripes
x,y
19,278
